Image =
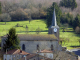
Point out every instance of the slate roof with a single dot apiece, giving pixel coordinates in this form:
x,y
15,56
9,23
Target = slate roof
x,y
37,37
29,56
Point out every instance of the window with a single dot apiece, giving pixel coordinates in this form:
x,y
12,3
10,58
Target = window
x,y
37,47
23,47
52,47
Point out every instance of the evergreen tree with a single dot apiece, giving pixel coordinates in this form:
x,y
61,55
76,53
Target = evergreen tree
x,y
76,22
12,41
50,14
0,7
68,3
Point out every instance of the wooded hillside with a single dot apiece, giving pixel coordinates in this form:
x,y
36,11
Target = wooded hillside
x,y
13,10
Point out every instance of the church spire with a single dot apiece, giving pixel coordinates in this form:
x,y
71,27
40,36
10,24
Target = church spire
x,y
54,23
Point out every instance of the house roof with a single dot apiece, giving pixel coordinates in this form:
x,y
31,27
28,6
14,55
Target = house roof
x,y
38,37
45,51
29,56
17,51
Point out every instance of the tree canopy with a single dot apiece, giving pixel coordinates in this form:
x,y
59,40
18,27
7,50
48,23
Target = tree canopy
x,y
68,3
50,14
67,18
12,41
0,7
76,21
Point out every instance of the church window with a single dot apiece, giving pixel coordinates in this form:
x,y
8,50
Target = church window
x,y
51,47
23,47
37,47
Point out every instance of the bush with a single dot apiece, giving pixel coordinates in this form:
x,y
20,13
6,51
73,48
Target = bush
x,y
5,17
38,30
77,30
18,25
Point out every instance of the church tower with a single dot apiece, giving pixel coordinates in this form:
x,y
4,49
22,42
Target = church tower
x,y
54,28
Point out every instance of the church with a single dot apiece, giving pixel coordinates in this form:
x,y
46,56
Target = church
x,y
33,43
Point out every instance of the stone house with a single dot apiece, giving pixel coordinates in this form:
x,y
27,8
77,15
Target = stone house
x,y
14,54
46,53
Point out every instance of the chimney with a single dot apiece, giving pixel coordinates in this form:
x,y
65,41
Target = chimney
x,y
6,51
40,50
20,51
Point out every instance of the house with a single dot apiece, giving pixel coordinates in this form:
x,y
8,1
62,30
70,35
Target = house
x,y
46,53
14,54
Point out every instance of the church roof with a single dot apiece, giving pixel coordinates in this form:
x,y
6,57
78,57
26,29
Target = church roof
x,y
54,23
34,37
38,37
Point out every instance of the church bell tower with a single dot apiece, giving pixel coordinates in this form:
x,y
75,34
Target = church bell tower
x,y
54,28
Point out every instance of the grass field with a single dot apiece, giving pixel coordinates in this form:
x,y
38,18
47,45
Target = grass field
x,y
31,27
69,35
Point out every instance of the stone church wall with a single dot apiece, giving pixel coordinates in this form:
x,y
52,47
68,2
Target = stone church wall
x,y
31,46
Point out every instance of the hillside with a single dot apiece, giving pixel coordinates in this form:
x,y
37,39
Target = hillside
x,y
75,11
44,3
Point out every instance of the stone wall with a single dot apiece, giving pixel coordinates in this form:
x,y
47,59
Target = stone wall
x,y
31,46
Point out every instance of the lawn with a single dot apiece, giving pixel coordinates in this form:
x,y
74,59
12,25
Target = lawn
x,y
34,24
21,30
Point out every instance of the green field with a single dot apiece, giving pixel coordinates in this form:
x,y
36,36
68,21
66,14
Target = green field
x,y
34,24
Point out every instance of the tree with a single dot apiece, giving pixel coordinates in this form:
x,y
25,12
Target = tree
x,y
38,30
50,14
12,41
27,31
5,17
0,7
68,3
77,30
67,18
76,22
78,41
62,40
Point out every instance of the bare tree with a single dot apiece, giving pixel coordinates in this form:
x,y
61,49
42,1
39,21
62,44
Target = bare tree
x,y
5,17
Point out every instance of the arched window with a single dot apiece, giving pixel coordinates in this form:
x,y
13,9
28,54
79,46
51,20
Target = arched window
x,y
52,47
23,47
37,47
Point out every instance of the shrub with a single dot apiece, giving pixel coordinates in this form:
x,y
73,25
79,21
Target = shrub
x,y
77,30
38,30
